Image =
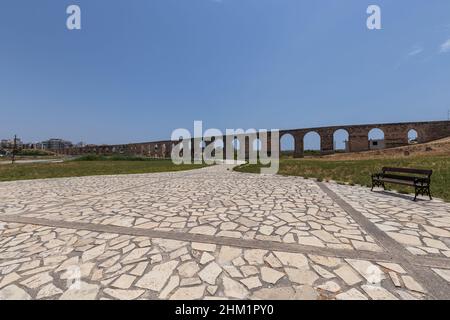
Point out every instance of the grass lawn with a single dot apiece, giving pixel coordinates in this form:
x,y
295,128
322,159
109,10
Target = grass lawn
x,y
88,168
359,171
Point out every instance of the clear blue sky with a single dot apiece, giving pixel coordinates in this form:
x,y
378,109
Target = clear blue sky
x,y
139,69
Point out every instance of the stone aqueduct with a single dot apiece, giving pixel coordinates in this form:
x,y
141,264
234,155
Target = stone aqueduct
x,y
395,135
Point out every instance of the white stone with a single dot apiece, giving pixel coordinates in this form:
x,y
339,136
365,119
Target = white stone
x,y
135,255
254,256
395,279
297,260
444,273
205,230
228,254
266,230
252,282
301,276
206,257
174,282
405,238
435,243
188,269
210,273
204,246
310,241
249,270
8,279
271,275
234,289
325,236
352,294
330,286
330,262
124,281
411,284
322,272
392,266
438,232
140,269
158,276
13,292
273,261
93,253
369,271
347,274
124,294
189,293
47,291
37,280
85,291
378,293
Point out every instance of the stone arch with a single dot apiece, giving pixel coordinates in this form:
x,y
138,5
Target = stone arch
x,y
376,139
287,145
219,143
236,144
312,143
341,140
413,136
375,133
257,144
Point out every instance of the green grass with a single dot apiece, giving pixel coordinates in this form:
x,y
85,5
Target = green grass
x,y
359,171
94,157
75,168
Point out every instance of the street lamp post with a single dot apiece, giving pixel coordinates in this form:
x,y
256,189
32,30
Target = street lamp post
x,y
14,150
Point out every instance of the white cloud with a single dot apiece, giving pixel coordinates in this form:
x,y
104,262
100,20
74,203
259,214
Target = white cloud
x,y
415,51
445,47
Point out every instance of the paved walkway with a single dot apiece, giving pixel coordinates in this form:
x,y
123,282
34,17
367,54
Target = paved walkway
x,y
214,233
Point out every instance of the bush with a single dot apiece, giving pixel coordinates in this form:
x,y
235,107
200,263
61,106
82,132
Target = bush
x,y
95,157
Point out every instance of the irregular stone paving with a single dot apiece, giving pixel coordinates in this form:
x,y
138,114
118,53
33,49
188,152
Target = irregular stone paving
x,y
213,233
22,196
40,262
423,227
241,206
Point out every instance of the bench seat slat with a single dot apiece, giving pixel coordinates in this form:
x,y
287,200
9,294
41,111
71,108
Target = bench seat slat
x,y
397,181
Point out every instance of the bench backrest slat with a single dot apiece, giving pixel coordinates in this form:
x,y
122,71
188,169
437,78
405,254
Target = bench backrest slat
x,y
408,170
399,177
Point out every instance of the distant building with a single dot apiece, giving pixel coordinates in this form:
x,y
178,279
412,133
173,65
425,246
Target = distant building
x,y
29,146
376,144
4,143
54,144
9,144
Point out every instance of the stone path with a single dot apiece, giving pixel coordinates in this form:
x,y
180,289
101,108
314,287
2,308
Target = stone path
x,y
213,233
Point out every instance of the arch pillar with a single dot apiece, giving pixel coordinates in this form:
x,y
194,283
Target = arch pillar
x,y
326,141
358,139
298,145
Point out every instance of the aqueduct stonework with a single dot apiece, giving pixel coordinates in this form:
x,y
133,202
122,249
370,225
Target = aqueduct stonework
x,y
395,135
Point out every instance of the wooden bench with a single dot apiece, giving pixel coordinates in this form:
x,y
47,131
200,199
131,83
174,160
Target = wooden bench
x,y
420,179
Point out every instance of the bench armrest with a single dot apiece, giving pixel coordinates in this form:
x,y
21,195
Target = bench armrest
x,y
422,181
377,175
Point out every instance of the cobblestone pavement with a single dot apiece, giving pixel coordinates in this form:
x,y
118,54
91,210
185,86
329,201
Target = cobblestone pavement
x,y
213,233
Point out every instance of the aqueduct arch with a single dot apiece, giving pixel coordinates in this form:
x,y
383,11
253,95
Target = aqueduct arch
x,y
395,135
